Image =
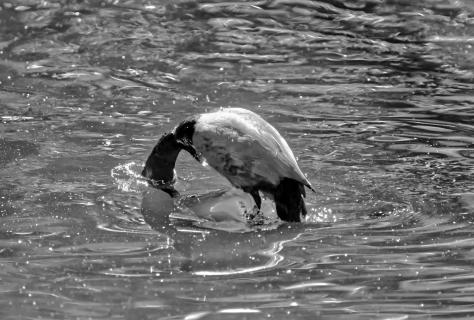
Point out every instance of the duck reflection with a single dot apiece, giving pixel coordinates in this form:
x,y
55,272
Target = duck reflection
x,y
220,232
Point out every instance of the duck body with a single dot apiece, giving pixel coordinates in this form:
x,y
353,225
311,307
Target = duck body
x,y
242,147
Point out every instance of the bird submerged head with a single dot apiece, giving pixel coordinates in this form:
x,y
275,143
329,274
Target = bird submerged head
x,y
159,167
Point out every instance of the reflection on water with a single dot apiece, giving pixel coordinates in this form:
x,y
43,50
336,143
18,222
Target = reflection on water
x,y
375,98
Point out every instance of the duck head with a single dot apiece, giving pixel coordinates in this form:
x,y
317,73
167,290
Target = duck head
x,y
159,167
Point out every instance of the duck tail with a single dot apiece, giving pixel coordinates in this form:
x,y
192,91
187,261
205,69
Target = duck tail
x,y
289,200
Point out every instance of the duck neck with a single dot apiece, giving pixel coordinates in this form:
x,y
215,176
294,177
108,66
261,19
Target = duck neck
x,y
159,167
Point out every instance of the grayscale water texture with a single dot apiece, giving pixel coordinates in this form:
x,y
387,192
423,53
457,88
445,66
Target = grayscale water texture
x,y
375,97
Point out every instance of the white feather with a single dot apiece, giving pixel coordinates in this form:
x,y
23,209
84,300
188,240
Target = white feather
x,y
245,148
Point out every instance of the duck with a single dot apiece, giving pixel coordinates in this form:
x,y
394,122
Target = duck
x,y
241,146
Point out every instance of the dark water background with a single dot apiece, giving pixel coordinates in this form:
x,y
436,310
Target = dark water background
x,y
376,98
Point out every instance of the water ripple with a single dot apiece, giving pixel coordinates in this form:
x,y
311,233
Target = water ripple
x,y
374,97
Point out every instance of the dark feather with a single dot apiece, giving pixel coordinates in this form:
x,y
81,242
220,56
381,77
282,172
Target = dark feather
x,y
289,200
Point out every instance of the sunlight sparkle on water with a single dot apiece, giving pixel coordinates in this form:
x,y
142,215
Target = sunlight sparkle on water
x,y
128,177
375,99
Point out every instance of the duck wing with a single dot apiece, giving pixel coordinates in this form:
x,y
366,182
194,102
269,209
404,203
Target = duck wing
x,y
245,148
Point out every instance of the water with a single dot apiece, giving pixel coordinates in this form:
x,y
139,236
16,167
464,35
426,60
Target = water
x,y
375,98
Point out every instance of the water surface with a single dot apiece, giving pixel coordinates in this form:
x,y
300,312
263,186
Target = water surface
x,y
375,98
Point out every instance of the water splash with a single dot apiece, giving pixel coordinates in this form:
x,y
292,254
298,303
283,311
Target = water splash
x,y
318,215
128,177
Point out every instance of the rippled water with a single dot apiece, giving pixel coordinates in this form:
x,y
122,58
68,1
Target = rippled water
x,y
376,98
